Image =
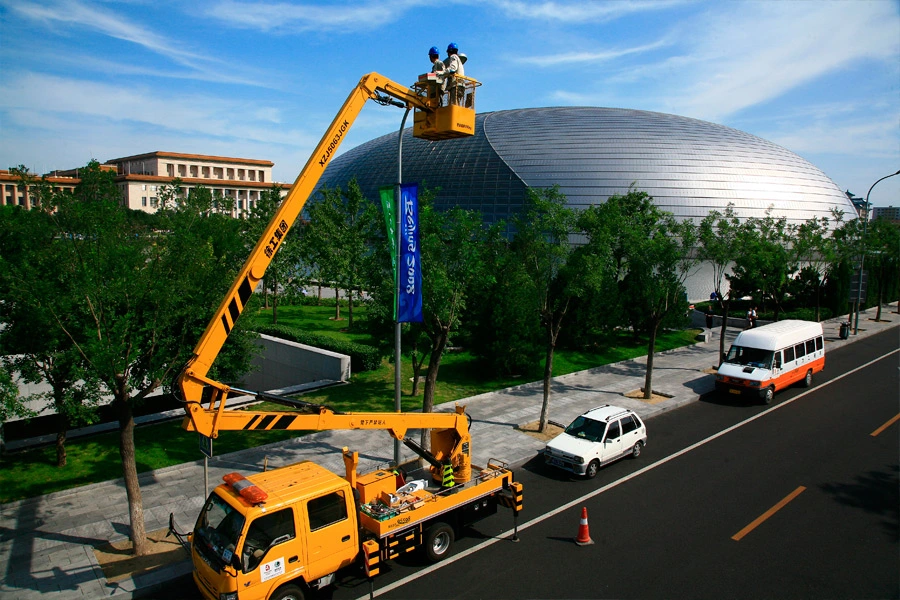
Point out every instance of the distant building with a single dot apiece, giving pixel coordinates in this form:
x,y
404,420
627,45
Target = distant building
x,y
141,176
16,194
891,213
858,203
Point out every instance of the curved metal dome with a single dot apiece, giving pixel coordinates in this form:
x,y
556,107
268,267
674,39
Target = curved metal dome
x,y
689,167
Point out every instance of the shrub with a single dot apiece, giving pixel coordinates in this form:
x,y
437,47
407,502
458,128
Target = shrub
x,y
362,357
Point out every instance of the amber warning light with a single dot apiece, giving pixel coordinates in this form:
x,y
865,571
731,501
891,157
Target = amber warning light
x,y
249,491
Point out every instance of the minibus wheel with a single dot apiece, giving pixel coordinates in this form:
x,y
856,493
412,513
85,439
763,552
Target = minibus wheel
x,y
807,382
768,395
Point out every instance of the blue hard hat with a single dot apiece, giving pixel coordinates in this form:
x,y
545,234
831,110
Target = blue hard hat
x,y
434,51
452,46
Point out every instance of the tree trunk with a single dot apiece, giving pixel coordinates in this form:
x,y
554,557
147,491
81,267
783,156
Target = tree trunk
x,y
416,363
129,470
62,424
61,442
651,350
275,303
548,377
725,307
434,363
337,304
350,309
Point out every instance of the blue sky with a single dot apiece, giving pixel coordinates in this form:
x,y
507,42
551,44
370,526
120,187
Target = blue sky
x,y
82,80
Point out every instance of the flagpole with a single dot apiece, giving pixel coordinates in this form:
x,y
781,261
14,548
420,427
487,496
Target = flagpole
x,y
397,379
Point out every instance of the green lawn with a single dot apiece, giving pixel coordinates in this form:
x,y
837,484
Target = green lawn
x,y
90,460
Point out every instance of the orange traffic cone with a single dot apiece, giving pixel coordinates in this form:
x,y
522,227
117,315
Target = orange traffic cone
x,y
584,535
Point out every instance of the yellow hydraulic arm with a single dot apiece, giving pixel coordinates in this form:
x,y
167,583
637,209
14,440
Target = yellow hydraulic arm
x,y
450,438
454,121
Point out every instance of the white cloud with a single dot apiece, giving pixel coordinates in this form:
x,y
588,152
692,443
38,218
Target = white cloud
x,y
754,52
553,60
580,11
45,101
293,17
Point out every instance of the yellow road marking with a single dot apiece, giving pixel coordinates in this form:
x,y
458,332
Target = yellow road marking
x,y
762,518
885,426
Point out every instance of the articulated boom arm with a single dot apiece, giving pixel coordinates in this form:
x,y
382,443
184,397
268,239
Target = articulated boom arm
x,y
450,438
372,86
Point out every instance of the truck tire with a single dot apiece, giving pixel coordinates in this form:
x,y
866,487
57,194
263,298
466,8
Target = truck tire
x,y
288,592
438,540
808,380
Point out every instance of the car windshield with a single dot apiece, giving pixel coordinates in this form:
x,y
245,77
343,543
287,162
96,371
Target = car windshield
x,y
587,429
750,357
219,529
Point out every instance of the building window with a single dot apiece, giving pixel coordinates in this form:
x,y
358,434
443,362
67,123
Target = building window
x,y
170,169
241,174
230,174
217,172
182,170
143,200
262,175
154,201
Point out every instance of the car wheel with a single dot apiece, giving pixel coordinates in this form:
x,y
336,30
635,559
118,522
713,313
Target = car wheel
x,y
807,382
438,539
592,469
636,449
768,395
288,592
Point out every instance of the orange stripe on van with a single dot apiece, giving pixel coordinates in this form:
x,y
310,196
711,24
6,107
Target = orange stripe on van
x,y
794,375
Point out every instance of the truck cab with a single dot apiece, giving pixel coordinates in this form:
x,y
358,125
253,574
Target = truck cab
x,y
289,524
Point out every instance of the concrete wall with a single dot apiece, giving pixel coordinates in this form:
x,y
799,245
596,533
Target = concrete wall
x,y
281,364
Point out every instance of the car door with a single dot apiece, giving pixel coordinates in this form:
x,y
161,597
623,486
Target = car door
x,y
612,443
631,433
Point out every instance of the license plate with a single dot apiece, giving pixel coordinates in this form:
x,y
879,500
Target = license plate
x,y
734,391
556,462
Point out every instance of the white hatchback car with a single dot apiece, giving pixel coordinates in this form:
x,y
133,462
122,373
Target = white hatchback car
x,y
596,438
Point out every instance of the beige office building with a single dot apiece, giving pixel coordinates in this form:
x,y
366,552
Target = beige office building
x,y
140,178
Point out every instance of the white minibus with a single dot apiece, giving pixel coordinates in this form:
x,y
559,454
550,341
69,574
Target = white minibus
x,y
763,360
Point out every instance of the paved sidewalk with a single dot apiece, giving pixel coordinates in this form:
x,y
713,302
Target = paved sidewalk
x,y
46,543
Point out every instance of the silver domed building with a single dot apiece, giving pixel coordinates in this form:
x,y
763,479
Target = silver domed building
x,y
689,167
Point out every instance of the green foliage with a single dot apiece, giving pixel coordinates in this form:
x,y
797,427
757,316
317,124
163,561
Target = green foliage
x,y
362,357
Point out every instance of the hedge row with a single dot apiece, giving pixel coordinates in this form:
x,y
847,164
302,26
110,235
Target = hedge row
x,y
362,357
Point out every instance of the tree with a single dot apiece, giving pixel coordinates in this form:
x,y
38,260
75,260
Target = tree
x,y
765,266
137,297
542,244
336,237
451,258
883,260
34,346
719,245
657,258
11,405
814,249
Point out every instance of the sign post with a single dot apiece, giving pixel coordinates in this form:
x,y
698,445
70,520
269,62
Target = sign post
x,y
206,447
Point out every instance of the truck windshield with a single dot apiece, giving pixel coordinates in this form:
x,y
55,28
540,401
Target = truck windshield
x,y
587,429
219,529
750,357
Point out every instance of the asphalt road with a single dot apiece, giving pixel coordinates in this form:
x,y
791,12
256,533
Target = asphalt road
x,y
793,500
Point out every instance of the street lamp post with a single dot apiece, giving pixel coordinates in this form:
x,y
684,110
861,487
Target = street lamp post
x,y
398,380
862,254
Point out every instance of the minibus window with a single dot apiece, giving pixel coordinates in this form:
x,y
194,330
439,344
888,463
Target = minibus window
x,y
810,346
750,357
800,350
778,360
788,355
819,343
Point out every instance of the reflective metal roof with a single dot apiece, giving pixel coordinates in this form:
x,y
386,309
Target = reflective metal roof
x,y
688,166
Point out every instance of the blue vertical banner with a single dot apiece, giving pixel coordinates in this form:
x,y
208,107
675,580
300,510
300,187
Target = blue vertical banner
x,y
410,267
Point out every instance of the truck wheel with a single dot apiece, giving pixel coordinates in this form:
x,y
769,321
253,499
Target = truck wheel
x,y
768,395
438,539
287,592
592,469
807,382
